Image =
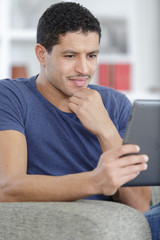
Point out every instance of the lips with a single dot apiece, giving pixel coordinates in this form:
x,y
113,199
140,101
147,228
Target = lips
x,y
79,82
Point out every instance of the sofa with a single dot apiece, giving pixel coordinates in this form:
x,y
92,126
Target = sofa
x,y
77,220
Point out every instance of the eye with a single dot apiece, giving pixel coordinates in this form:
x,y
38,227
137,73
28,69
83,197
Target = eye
x,y
92,55
69,56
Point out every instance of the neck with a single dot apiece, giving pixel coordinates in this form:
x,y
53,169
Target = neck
x,y
53,95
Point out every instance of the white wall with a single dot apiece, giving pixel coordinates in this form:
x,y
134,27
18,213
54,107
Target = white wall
x,y
148,43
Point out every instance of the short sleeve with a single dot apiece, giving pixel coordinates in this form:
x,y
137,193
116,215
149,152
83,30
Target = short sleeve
x,y
124,113
11,107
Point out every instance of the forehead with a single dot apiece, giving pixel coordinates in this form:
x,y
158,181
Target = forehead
x,y
79,40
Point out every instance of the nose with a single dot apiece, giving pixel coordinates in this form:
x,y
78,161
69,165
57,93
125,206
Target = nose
x,y
81,66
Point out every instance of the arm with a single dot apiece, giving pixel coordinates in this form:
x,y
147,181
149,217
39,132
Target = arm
x,y
16,185
89,108
136,197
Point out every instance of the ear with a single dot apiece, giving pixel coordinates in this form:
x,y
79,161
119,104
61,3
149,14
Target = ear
x,y
40,53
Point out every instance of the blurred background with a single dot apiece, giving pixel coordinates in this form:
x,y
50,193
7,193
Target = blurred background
x,y
129,59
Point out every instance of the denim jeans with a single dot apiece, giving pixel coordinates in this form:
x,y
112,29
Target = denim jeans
x,y
153,217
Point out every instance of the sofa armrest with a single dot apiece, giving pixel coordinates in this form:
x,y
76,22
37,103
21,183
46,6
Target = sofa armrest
x,y
84,219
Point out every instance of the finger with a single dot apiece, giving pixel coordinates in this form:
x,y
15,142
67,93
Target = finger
x,y
73,107
127,149
134,168
128,171
121,151
127,178
75,100
132,160
132,172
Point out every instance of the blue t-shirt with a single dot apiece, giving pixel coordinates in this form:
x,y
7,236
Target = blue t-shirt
x,y
57,142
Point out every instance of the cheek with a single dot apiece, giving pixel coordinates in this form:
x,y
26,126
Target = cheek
x,y
58,68
66,68
93,67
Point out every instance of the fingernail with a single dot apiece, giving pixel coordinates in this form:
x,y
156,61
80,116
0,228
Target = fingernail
x,y
146,158
145,166
138,148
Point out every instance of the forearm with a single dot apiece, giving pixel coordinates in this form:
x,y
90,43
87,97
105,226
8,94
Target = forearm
x,y
136,197
47,188
111,172
109,138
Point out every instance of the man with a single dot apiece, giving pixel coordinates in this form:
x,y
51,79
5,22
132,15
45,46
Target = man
x,y
60,137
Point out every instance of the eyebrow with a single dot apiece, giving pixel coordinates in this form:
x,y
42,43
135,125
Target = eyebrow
x,y
74,52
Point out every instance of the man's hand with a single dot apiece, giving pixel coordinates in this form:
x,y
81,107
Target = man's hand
x,y
88,106
113,171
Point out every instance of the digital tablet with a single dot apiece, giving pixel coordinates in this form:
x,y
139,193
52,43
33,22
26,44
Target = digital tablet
x,y
143,129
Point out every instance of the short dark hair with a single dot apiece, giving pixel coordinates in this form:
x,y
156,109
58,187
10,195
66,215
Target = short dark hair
x,y
64,17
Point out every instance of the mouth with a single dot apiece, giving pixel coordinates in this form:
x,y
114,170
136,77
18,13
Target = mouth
x,y
79,81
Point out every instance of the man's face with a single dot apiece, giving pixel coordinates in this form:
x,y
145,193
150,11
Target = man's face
x,y
72,63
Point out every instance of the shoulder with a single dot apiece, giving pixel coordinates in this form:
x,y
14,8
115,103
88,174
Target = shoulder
x,y
15,87
14,93
105,91
9,88
111,97
14,83
117,105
